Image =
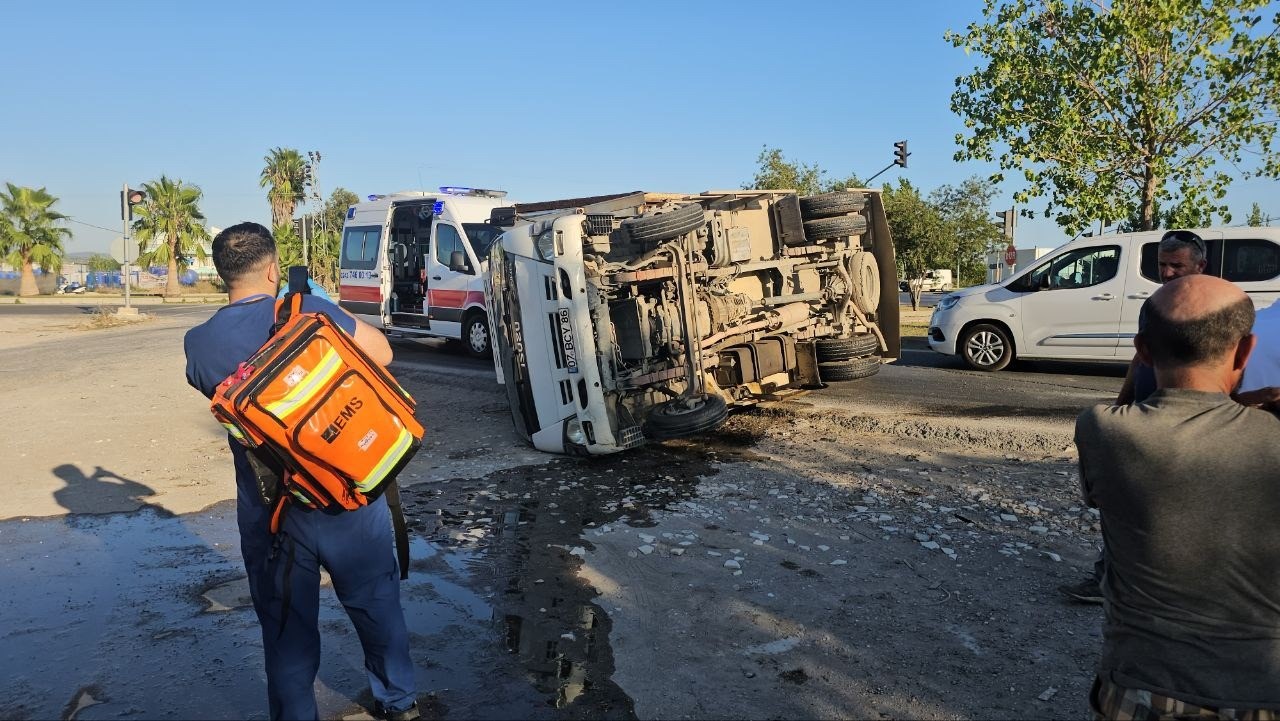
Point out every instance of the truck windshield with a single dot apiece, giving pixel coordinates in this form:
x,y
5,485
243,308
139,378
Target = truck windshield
x,y
481,236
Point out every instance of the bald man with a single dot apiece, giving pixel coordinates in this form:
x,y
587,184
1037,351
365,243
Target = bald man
x,y
1185,482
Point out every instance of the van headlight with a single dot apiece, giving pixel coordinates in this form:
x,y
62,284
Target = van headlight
x,y
546,244
573,432
948,302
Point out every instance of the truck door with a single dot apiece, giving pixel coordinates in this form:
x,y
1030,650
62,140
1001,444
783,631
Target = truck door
x,y
448,288
1074,304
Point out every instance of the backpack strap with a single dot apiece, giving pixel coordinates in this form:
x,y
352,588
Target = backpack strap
x,y
397,522
290,304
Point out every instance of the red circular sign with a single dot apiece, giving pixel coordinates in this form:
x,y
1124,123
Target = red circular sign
x,y
1011,256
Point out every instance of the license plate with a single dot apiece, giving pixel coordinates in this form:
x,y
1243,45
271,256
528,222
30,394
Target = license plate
x,y
566,340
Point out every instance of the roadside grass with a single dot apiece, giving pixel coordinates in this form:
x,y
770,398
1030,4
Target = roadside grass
x,y
916,330
105,317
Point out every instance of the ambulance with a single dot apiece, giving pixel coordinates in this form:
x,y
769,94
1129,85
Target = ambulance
x,y
413,263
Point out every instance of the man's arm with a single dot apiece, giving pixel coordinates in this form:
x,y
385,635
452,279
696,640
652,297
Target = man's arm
x,y
1126,390
372,341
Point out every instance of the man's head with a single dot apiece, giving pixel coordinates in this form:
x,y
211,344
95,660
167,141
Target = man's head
x,y
245,256
1200,326
1181,253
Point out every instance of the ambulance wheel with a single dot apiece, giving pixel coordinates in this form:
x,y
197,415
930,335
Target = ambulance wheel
x,y
662,224
683,417
475,335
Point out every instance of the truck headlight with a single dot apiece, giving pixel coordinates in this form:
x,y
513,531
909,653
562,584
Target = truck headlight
x,y
948,302
573,432
546,244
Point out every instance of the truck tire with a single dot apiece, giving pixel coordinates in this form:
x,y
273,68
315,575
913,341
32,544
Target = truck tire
x,y
865,272
986,347
475,335
831,204
675,419
842,349
850,370
662,224
828,228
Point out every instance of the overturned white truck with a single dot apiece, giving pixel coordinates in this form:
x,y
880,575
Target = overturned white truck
x,y
639,316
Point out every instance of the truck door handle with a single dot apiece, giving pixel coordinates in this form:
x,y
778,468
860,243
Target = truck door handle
x,y
1104,296
435,277
1143,295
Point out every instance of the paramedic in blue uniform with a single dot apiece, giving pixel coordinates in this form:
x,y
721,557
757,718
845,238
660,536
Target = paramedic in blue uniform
x,y
356,547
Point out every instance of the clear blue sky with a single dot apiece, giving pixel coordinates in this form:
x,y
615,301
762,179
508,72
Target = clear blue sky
x,y
542,99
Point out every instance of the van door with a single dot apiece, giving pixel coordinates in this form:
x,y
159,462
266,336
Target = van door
x,y
447,289
1252,262
1072,304
1146,280
360,273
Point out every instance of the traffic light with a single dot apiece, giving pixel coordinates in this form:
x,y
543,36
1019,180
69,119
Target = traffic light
x,y
900,153
1008,221
130,197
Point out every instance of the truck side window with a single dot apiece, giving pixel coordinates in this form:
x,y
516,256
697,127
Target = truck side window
x,y
447,241
360,248
1247,260
1077,269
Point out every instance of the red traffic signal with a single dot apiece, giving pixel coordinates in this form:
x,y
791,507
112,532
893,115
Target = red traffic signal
x,y
130,197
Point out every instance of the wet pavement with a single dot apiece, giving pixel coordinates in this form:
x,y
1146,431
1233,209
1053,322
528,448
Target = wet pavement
x,y
146,614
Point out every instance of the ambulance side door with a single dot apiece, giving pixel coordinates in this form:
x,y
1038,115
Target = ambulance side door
x,y
447,287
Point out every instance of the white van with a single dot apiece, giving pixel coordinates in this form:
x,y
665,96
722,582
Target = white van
x,y
413,263
1081,301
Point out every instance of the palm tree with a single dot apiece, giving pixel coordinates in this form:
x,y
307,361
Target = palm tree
x,y
29,234
170,214
284,174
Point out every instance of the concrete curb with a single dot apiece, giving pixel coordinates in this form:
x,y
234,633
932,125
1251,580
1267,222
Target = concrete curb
x,y
94,299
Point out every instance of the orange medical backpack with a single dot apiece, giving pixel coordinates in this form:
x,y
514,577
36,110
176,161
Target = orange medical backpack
x,y
312,403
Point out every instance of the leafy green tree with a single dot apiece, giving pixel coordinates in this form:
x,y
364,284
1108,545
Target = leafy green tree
x,y
170,220
99,262
918,231
335,208
30,233
288,248
775,172
1256,219
967,228
1108,109
282,175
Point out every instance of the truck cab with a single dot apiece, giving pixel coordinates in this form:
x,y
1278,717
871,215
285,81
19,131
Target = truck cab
x,y
413,263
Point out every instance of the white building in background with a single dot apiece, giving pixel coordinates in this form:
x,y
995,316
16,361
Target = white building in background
x,y
998,271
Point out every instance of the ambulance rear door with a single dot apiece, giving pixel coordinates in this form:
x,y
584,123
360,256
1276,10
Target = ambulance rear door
x,y
364,269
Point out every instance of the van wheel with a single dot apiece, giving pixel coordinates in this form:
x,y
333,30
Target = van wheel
x,y
827,228
831,204
475,336
986,347
683,417
850,370
662,224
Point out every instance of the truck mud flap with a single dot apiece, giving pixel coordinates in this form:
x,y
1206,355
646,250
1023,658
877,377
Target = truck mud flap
x,y
807,364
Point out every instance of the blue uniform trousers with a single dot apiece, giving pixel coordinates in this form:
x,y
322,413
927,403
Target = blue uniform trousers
x,y
356,548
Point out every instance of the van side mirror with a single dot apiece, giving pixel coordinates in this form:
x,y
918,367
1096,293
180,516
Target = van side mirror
x,y
458,262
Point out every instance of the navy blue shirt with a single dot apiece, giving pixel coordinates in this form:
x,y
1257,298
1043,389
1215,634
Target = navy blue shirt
x,y
217,347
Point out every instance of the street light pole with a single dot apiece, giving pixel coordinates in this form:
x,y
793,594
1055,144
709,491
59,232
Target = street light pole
x,y
128,309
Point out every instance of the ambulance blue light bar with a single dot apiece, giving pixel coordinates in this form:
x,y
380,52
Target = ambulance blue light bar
x,y
480,192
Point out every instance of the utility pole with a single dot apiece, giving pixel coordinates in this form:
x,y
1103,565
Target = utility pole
x,y
128,199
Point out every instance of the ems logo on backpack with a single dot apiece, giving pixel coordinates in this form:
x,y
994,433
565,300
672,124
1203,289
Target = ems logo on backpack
x,y
311,402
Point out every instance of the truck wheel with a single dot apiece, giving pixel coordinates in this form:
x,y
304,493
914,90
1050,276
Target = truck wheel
x,y
986,347
831,204
866,282
842,349
665,223
475,336
680,418
827,228
850,370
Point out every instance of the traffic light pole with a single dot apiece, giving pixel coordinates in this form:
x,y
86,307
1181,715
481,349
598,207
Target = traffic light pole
x,y
128,308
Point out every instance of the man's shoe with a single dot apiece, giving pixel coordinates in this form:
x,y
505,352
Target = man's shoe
x,y
409,714
1086,591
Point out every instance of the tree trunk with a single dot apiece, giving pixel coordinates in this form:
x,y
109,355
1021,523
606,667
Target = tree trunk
x,y
27,285
171,288
1148,198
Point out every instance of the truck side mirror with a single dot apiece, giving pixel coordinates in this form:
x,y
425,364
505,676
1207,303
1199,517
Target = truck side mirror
x,y
458,262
